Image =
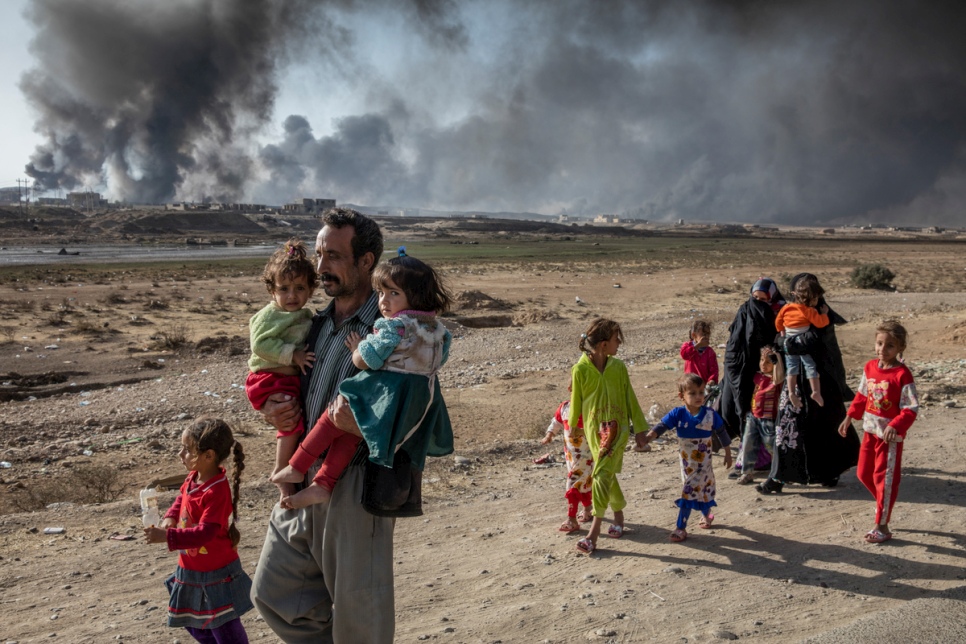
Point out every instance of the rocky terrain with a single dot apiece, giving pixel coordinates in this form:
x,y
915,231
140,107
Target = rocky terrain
x,y
103,366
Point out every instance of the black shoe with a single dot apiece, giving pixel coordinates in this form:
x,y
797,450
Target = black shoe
x,y
733,474
769,486
833,482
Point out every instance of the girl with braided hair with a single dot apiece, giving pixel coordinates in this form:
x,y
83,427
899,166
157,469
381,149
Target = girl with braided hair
x,y
278,331
209,591
603,398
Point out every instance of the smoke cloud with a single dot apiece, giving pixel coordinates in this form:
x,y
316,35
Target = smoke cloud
x,y
741,111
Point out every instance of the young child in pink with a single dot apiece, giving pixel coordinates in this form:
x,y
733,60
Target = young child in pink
x,y
887,404
699,358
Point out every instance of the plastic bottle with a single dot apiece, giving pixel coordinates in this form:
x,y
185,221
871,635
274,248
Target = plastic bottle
x,y
150,515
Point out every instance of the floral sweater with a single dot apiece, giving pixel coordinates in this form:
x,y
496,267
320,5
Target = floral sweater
x,y
886,398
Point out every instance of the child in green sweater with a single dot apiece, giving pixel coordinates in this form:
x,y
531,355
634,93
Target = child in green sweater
x,y
278,331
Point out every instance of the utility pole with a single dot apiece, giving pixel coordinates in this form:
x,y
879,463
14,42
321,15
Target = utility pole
x,y
21,193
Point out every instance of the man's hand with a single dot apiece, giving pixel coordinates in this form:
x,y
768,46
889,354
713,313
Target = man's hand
x,y
341,415
282,412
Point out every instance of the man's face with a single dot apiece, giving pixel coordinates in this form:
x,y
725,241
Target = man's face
x,y
341,275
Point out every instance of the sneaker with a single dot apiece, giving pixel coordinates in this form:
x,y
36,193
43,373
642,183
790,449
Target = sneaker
x,y
746,479
769,486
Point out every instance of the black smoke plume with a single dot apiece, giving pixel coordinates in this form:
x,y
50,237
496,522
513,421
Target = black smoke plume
x,y
815,111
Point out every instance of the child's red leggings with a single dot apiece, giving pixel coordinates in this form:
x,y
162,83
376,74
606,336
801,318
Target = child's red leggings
x,y
325,435
879,470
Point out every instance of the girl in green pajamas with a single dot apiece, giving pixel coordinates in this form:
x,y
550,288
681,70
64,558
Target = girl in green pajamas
x,y
603,396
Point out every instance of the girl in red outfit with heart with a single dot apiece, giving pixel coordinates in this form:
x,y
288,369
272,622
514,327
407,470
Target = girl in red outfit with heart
x,y
887,404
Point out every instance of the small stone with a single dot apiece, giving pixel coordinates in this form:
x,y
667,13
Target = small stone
x,y
605,632
724,635
674,569
449,629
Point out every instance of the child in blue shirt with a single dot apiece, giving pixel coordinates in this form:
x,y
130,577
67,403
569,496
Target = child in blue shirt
x,y
694,424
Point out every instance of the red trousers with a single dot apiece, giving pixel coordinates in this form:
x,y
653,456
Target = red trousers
x,y
259,386
879,470
573,498
325,435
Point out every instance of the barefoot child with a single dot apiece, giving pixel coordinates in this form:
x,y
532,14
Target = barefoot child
x,y
399,362
209,590
694,424
278,331
888,404
760,423
603,397
794,319
579,466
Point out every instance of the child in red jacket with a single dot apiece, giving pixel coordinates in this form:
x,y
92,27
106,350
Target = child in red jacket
x,y
887,404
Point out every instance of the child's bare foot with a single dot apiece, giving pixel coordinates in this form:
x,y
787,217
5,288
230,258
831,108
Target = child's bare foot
x,y
817,397
309,496
287,474
795,401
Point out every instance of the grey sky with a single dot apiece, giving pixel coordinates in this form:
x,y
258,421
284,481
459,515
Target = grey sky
x,y
739,111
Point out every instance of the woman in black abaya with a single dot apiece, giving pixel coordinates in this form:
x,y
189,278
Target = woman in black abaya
x,y
808,448
752,329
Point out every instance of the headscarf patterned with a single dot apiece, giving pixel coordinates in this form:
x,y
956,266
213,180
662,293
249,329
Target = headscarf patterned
x,y
767,285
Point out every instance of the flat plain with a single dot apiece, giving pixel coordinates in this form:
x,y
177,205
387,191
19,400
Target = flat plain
x,y
103,365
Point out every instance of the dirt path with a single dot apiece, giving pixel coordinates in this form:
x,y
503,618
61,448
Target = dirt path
x,y
485,564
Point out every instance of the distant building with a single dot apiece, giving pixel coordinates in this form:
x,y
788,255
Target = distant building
x,y
85,200
51,201
10,195
607,219
239,207
309,206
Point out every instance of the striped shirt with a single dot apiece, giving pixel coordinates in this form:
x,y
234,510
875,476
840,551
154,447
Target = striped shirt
x,y
333,360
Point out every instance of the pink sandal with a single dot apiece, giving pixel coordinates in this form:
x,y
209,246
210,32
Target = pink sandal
x,y
679,535
706,521
586,547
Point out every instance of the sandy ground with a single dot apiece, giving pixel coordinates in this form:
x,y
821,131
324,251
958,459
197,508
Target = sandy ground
x,y
143,353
